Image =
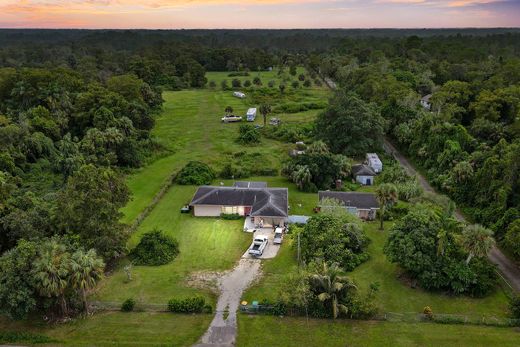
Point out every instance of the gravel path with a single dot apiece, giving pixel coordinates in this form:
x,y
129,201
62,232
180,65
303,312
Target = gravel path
x,y
509,269
222,330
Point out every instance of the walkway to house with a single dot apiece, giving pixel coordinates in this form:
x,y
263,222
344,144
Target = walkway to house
x,y
223,329
508,268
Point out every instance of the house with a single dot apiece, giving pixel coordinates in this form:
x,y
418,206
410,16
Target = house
x,y
251,114
239,95
265,206
374,162
425,102
363,205
363,174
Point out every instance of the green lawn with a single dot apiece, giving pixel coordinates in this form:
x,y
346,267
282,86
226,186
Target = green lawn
x,y
120,329
286,332
206,244
189,128
393,296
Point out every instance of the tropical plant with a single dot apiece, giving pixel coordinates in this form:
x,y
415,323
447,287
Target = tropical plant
x,y
51,270
477,241
331,286
265,109
155,248
86,270
386,195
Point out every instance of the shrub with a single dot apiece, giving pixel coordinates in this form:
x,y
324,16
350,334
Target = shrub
x,y
257,81
295,107
301,77
247,83
317,82
514,307
271,84
155,248
235,83
195,304
512,239
224,85
128,305
248,134
230,216
448,319
212,84
307,84
195,173
232,171
295,84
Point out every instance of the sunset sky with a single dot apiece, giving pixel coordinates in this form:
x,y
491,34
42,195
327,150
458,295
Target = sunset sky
x,y
176,14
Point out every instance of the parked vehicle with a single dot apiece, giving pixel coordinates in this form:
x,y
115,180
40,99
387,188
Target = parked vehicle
x,y
185,209
239,95
258,246
251,115
231,118
278,236
275,121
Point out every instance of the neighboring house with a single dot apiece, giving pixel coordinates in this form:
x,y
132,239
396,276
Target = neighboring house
x,y
239,95
266,206
425,102
363,205
363,174
374,162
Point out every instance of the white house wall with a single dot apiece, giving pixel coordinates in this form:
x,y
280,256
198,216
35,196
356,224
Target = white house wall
x,y
364,179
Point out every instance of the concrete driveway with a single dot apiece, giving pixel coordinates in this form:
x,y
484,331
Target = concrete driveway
x,y
270,251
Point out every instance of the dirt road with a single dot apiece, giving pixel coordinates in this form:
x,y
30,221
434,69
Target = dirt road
x,y
223,329
509,269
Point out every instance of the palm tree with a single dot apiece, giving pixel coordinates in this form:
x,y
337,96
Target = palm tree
x,y
86,270
51,271
301,176
386,195
332,286
265,109
477,241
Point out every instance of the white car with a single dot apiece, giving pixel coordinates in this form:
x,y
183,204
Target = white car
x,y
258,246
231,119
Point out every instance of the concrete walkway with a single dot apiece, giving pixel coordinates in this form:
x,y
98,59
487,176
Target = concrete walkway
x,y
222,330
508,268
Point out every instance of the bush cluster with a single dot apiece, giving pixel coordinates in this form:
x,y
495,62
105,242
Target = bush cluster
x,y
248,134
196,304
128,305
238,74
154,249
195,173
295,107
230,216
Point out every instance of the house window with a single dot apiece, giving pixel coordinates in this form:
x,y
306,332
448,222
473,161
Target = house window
x,y
229,209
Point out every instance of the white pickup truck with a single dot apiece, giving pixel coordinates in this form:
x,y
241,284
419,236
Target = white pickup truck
x,y
258,246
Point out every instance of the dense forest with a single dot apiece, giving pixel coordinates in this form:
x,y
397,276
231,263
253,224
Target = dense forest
x,y
77,109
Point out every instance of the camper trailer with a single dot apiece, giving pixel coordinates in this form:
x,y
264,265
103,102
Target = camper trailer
x,y
251,115
239,95
374,162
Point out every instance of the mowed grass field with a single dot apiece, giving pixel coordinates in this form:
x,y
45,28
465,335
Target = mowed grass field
x,y
288,332
118,329
189,128
394,294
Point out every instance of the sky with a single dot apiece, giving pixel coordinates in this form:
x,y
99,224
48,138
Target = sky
x,y
240,14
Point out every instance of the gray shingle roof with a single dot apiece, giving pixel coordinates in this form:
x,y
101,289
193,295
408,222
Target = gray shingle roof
x,y
354,199
250,184
265,202
362,170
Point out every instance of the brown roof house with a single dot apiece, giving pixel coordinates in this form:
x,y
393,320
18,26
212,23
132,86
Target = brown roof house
x,y
266,206
363,205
